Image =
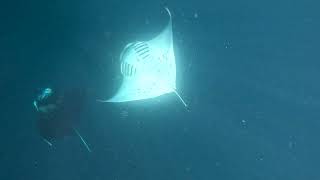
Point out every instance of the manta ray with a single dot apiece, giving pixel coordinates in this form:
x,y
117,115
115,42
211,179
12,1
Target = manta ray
x,y
148,68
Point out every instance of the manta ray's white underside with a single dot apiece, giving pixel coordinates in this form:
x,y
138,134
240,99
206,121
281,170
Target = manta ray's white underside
x,y
148,68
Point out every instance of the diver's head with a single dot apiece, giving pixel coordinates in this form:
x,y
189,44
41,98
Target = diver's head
x,y
43,102
45,94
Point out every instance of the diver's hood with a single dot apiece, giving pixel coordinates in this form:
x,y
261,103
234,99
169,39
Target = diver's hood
x,y
45,100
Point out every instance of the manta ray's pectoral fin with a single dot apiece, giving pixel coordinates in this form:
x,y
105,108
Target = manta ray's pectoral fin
x,y
164,40
83,141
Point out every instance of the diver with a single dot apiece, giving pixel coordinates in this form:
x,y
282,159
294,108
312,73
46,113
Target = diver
x,y
58,113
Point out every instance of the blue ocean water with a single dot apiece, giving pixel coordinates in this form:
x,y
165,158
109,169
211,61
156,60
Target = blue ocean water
x,y
248,70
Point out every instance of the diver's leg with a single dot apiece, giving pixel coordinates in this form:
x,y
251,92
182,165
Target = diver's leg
x,y
48,142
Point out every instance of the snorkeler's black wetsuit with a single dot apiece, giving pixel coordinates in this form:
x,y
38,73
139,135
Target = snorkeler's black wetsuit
x,y
59,113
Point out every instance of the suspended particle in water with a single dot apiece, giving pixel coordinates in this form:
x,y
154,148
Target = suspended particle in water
x,y
195,15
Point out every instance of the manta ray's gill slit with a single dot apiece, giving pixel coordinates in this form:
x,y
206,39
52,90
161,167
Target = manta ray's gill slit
x,y
146,56
144,53
128,69
121,68
142,49
131,70
140,46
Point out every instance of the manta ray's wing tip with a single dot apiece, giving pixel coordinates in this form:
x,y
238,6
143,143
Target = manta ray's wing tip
x,y
167,9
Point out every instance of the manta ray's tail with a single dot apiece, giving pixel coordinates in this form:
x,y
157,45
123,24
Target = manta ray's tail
x,y
83,141
167,9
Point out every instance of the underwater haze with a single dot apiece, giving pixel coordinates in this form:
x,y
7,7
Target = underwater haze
x,y
249,71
